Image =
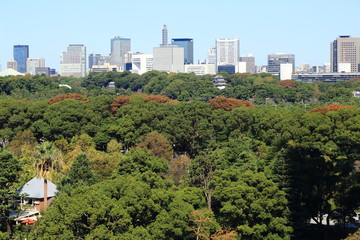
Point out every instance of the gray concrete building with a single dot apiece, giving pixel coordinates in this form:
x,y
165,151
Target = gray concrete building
x,y
275,60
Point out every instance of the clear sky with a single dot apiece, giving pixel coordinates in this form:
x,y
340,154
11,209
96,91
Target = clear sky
x,y
304,28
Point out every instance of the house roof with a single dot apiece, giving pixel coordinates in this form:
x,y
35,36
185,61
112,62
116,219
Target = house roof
x,y
35,188
10,72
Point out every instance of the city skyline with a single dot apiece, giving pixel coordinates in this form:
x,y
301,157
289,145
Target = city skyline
x,y
261,27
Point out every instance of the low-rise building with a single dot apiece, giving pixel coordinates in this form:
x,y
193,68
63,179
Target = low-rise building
x,y
324,77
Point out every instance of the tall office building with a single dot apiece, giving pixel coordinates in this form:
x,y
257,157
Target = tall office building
x,y
21,53
94,59
168,57
188,45
249,61
345,50
275,60
164,35
119,47
33,63
211,56
12,64
73,61
227,52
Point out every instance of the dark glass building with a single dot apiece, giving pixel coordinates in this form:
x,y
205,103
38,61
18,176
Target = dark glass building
x,y
230,69
188,45
21,53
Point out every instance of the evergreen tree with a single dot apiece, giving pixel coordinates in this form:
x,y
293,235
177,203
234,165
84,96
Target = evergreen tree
x,y
10,169
80,174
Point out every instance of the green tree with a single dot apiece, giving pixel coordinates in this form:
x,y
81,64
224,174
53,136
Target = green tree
x,y
48,162
10,169
80,174
139,161
251,204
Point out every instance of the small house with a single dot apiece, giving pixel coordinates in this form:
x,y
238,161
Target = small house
x,y
34,193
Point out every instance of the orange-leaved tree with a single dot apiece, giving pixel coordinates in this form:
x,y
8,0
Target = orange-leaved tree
x,y
158,145
157,98
61,97
329,108
228,103
287,83
118,102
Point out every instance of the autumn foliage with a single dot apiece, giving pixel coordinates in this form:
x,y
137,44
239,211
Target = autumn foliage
x,y
158,145
159,99
354,80
118,102
61,97
228,103
287,83
329,108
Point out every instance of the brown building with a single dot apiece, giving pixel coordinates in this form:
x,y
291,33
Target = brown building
x,y
345,49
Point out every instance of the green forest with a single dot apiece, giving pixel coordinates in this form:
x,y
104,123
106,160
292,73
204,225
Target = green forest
x,y
169,156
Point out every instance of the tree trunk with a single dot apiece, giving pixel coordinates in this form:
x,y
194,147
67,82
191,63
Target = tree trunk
x,y
45,194
8,226
208,199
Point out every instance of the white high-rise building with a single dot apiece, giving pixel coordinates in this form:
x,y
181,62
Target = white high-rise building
x,y
227,51
211,57
167,57
73,61
119,47
33,63
142,63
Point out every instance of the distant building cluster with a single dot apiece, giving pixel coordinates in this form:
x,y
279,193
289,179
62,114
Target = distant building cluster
x,y
178,56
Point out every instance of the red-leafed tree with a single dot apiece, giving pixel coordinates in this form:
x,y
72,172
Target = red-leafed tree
x,y
228,103
157,98
61,97
287,83
331,107
118,102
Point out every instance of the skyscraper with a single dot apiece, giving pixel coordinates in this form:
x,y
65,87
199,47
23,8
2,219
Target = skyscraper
x,y
227,52
33,63
119,47
345,50
164,35
275,60
21,53
73,61
188,45
168,57
94,59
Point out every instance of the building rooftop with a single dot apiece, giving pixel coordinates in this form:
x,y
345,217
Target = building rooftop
x,y
35,188
10,72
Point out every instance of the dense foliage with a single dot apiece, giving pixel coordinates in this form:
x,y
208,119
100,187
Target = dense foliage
x,y
148,166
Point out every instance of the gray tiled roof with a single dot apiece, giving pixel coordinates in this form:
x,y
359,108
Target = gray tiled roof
x,y
35,188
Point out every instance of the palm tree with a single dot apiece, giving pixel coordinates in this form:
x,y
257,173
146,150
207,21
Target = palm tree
x,y
48,160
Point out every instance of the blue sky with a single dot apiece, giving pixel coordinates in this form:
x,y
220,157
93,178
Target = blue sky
x,y
304,28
